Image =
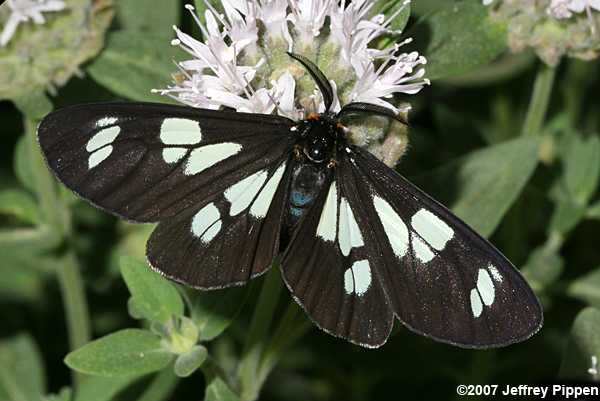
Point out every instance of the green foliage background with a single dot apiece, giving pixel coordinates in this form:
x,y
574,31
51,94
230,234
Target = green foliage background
x,y
509,144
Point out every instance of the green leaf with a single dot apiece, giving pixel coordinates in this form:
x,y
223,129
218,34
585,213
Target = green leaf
x,y
457,38
582,167
587,288
593,212
19,279
481,186
544,266
22,375
214,311
134,63
22,165
44,237
584,342
153,296
187,363
218,390
201,8
65,394
98,388
20,204
388,8
135,15
124,353
566,216
34,105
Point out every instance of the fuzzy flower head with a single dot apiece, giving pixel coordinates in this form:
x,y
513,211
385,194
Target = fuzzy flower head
x,y
242,63
22,11
553,28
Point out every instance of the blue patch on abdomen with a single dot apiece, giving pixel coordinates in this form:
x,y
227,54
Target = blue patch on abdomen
x,y
300,199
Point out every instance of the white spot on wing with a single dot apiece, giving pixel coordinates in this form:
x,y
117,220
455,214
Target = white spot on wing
x,y
476,306
433,230
485,286
206,223
328,221
173,155
99,156
362,276
349,234
394,227
207,156
348,281
180,131
261,205
102,138
495,273
241,194
211,232
357,278
106,121
422,251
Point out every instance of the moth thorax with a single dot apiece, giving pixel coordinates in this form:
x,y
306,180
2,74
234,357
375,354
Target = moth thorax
x,y
319,138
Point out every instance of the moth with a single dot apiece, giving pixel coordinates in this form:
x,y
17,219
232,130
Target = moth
x,y
358,244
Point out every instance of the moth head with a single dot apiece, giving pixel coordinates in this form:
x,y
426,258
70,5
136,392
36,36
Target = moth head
x,y
328,95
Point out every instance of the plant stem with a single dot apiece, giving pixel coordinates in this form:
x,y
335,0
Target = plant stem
x,y
289,330
257,334
74,301
56,216
540,99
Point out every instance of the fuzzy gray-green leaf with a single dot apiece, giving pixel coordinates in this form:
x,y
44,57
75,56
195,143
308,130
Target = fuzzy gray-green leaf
x,y
124,353
22,374
134,63
19,204
187,363
587,288
457,38
136,15
481,186
98,388
582,167
584,342
218,390
214,311
543,267
152,296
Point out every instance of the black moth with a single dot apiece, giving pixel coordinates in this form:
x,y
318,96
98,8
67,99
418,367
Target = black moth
x,y
357,243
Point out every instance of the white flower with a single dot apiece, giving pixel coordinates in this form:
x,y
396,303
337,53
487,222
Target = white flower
x,y
273,14
404,75
561,9
263,100
487,2
308,17
241,64
25,10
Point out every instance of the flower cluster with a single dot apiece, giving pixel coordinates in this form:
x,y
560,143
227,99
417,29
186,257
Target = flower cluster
x,y
552,27
561,9
242,63
25,10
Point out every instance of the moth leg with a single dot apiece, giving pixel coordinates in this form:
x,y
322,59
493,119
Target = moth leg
x,y
298,152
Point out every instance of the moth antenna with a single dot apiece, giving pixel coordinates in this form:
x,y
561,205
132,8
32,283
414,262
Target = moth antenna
x,y
318,76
